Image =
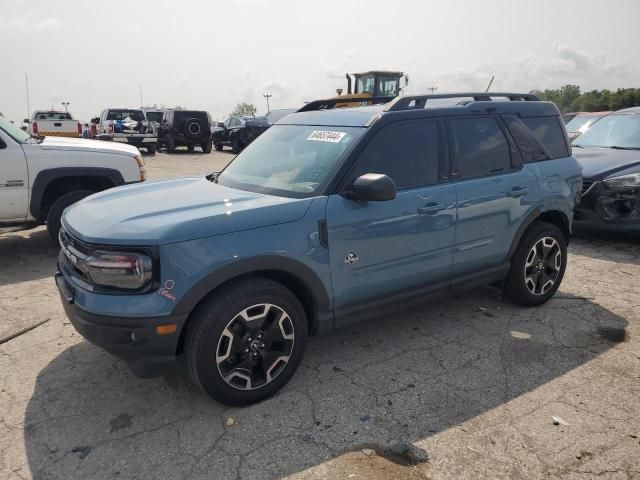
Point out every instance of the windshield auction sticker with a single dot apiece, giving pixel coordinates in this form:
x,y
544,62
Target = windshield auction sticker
x,y
326,136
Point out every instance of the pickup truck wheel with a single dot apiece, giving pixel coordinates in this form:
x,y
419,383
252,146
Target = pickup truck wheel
x,y
170,143
151,149
245,341
55,212
236,145
538,265
206,146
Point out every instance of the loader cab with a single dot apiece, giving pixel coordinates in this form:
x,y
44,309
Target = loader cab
x,y
375,84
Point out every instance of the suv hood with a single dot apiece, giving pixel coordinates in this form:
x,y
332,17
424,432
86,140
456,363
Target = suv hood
x,y
84,145
600,162
171,211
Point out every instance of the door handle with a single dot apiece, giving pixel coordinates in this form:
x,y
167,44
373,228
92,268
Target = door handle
x,y
517,192
431,208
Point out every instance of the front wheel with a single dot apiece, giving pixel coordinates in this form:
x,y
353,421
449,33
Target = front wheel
x,y
538,265
246,341
54,217
236,145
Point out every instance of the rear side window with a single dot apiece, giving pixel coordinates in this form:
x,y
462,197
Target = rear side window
x,y
548,131
480,147
408,152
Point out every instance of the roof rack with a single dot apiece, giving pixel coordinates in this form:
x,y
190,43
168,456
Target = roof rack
x,y
408,102
331,103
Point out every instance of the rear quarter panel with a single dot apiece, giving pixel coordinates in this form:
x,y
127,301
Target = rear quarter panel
x,y
560,184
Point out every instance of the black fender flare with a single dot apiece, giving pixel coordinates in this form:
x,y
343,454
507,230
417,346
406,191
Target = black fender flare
x,y
536,214
45,177
267,264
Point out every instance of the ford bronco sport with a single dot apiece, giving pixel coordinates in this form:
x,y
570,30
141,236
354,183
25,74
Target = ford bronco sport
x,y
327,218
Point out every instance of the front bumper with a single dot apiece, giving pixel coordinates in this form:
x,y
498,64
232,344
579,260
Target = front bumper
x,y
602,208
133,339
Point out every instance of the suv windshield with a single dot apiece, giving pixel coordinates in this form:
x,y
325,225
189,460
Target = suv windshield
x,y
135,115
612,131
14,132
289,160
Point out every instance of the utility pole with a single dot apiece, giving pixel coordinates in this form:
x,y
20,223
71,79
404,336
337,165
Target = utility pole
x,y
140,89
26,84
432,89
267,96
66,106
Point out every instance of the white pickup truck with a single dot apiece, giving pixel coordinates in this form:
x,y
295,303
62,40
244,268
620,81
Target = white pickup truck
x,y
41,176
53,123
127,125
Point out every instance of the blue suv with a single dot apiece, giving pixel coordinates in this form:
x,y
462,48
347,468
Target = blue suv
x,y
329,217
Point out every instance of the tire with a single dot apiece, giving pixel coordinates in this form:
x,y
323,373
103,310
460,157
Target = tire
x,y
191,148
55,212
535,264
223,352
218,146
170,143
206,146
151,149
192,128
236,145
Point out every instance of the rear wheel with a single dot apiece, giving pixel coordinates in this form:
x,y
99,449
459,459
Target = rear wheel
x,y
246,341
54,217
151,149
170,143
206,146
538,265
218,146
191,148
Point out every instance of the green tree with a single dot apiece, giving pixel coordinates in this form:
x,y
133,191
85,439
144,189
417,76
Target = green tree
x,y
244,109
569,98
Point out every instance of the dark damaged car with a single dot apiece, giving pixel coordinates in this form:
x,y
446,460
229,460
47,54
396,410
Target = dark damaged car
x,y
609,153
238,132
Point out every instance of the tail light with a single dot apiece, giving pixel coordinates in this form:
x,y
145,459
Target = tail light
x,y
79,129
34,128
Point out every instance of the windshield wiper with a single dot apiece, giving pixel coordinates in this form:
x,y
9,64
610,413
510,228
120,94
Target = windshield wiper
x,y
617,147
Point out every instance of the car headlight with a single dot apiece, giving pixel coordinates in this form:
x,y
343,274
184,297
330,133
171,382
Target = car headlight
x,y
625,181
129,271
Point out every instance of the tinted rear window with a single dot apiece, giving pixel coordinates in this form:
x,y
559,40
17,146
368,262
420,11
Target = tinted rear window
x,y
181,116
53,116
549,132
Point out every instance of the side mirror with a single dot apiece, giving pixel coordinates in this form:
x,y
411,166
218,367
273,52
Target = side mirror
x,y
372,187
2,144
26,120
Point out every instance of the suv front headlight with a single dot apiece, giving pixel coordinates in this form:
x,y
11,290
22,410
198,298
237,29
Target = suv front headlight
x,y
126,270
624,181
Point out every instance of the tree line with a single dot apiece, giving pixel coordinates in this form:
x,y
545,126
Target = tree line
x,y
570,99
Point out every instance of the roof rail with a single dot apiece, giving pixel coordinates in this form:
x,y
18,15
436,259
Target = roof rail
x,y
405,102
330,103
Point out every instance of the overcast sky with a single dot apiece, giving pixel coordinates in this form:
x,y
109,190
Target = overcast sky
x,y
206,54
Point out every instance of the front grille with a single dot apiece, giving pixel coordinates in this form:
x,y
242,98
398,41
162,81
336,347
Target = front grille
x,y
74,251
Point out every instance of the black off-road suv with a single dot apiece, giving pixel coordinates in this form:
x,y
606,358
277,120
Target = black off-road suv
x,y
238,132
185,128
